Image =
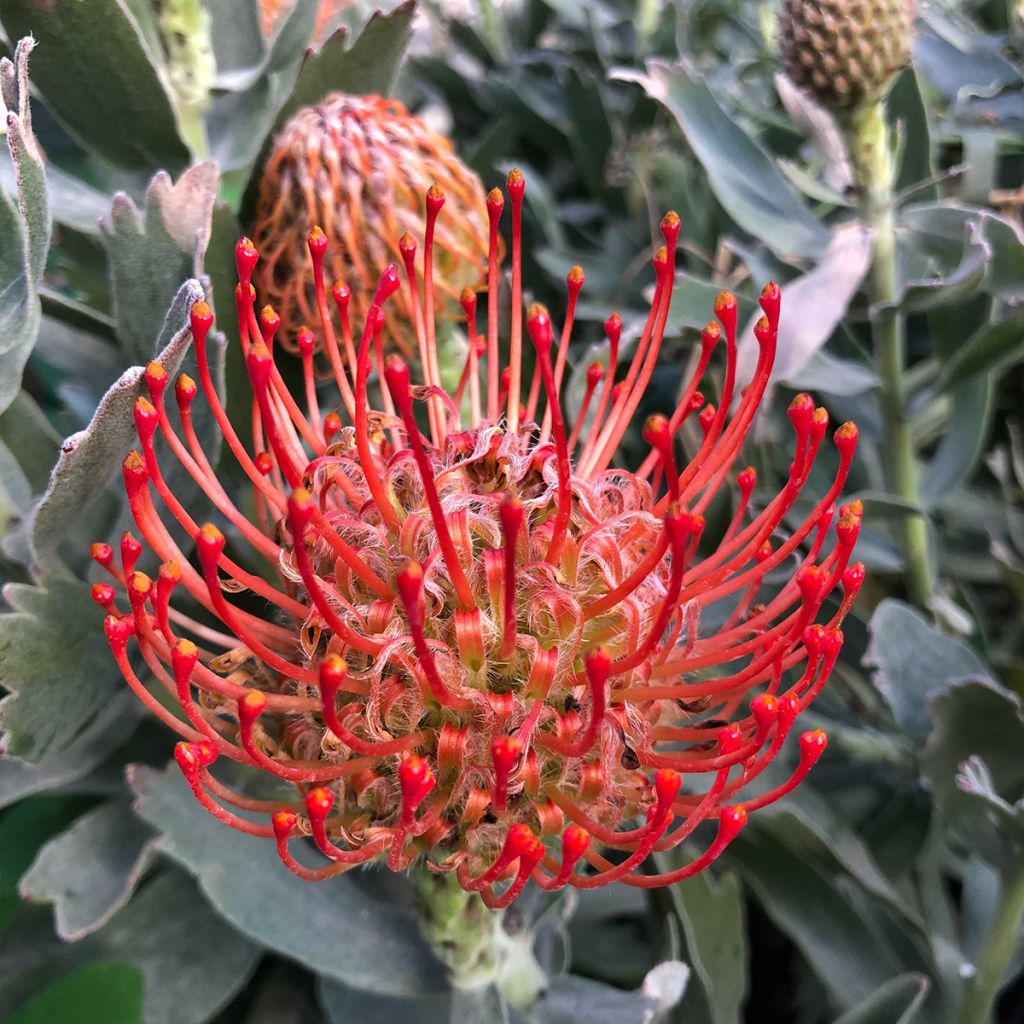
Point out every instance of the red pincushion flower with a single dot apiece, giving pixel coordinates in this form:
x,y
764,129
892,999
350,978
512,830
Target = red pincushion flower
x,y
484,646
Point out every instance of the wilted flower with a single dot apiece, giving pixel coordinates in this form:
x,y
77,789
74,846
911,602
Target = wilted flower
x,y
485,648
358,167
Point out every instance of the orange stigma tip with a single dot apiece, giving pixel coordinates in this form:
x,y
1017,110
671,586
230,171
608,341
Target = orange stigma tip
x,y
254,702
576,276
724,300
201,311
515,183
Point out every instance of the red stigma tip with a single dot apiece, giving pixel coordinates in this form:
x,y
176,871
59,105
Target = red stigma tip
x,y
613,328
730,738
305,340
263,463
319,802
316,240
495,203
200,321
812,745
209,541
666,784
103,594
246,258
103,554
731,821
575,841
435,200
300,508
538,323
185,391
283,823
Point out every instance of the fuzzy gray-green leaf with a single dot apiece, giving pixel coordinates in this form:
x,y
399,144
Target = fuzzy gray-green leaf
x,y
56,663
97,74
90,871
89,458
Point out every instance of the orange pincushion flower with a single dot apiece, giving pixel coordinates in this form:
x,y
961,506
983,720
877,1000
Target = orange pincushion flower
x,y
358,167
485,648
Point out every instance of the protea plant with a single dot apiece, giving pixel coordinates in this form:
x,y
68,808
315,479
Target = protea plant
x,y
358,168
481,646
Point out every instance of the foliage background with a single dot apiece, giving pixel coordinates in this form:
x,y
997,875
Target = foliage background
x,y
874,893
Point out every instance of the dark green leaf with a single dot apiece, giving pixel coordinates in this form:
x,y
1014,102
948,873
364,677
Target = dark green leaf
x,y
90,871
979,719
908,112
72,202
97,74
26,431
896,1002
992,348
711,915
741,174
240,120
844,948
55,660
383,951
369,65
342,1004
914,662
963,445
101,994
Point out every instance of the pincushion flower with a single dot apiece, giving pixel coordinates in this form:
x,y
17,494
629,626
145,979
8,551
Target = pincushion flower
x,y
482,646
358,168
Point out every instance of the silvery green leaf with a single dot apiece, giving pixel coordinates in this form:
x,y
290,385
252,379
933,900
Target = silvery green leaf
x,y
89,458
56,665
812,306
24,230
193,962
383,950
153,251
91,870
97,73
740,173
914,662
111,727
896,1002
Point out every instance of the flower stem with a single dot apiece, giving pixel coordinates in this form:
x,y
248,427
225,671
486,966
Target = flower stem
x,y
871,149
475,943
1000,945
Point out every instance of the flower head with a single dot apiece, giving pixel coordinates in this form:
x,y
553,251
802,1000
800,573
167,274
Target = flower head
x,y
485,647
358,167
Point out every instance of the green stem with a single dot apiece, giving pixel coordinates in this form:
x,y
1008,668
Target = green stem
x,y
1000,945
871,148
473,942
